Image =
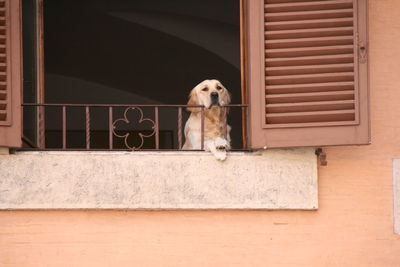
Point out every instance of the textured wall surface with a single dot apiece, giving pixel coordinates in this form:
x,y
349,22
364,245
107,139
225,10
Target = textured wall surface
x,y
275,179
396,195
353,225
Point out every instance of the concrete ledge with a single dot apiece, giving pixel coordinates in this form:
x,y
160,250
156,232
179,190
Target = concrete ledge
x,y
4,151
275,179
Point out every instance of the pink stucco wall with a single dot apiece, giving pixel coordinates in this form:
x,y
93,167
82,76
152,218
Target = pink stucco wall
x,y
353,226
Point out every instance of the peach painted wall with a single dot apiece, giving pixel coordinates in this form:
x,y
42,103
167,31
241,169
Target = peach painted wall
x,y
353,226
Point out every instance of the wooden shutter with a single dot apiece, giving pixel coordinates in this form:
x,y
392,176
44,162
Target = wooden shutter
x,y
307,69
10,73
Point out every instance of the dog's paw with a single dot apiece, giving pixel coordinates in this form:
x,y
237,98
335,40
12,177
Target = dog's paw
x,y
218,147
221,144
220,154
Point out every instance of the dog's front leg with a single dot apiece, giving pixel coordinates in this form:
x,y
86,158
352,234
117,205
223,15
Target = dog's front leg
x,y
194,139
218,147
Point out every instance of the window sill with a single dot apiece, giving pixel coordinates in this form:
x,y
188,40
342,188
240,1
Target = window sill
x,y
274,179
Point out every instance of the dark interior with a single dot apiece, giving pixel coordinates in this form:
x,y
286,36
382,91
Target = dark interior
x,y
136,52
29,68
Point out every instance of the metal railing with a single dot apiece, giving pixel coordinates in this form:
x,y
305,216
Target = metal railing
x,y
114,130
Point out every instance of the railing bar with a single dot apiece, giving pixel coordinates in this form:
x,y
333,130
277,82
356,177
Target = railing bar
x,y
225,122
42,141
64,127
143,150
87,124
29,142
202,128
157,127
110,128
244,128
42,128
179,128
124,105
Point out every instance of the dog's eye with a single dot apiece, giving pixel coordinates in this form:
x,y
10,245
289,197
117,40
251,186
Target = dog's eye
x,y
219,87
205,89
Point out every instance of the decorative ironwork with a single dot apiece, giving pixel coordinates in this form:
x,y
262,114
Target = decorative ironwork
x,y
140,134
113,129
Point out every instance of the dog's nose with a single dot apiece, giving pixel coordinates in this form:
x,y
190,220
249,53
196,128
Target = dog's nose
x,y
214,94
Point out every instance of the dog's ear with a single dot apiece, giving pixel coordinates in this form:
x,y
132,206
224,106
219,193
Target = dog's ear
x,y
227,97
193,101
224,95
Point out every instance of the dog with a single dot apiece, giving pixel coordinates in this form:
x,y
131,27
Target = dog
x,y
213,96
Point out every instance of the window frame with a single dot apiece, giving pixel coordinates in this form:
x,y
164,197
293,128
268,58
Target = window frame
x,y
41,85
252,83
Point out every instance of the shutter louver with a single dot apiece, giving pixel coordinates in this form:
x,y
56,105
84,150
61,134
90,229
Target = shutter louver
x,y
4,90
10,73
307,72
309,62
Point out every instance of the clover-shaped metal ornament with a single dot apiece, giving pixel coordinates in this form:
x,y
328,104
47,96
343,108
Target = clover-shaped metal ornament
x,y
140,121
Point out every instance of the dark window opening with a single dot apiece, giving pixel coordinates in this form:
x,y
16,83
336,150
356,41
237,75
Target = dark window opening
x,y
30,71
133,52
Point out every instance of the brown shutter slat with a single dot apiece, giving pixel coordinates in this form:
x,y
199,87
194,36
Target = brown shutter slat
x,y
310,117
308,87
314,89
309,69
303,33
310,51
319,14
309,78
310,97
311,106
309,42
285,1
288,6
308,24
3,114
310,60
10,74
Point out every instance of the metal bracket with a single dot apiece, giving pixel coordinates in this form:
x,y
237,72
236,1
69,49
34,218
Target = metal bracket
x,y
321,156
362,54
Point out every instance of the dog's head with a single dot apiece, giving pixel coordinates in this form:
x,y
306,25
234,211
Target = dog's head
x,y
209,93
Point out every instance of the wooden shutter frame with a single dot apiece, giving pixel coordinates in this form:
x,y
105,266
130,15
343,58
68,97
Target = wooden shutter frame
x,y
261,136
11,131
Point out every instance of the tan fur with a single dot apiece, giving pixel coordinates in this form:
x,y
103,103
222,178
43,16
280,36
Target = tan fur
x,y
193,101
216,135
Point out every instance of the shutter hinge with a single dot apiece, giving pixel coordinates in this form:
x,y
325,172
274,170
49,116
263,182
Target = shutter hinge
x,y
321,156
362,52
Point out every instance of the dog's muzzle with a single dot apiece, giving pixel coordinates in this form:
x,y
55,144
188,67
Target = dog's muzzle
x,y
214,98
